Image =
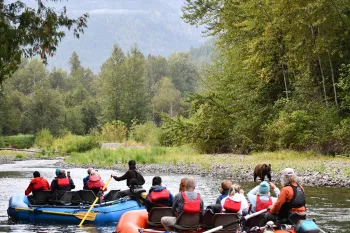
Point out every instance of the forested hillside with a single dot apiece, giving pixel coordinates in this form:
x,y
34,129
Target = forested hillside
x,y
130,88
281,80
154,25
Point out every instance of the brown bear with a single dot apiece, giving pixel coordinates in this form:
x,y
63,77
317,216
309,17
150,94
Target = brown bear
x,y
262,170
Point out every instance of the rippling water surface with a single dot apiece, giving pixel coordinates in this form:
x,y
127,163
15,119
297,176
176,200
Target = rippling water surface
x,y
329,206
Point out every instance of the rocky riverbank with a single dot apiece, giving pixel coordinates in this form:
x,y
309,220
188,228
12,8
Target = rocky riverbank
x,y
330,178
332,174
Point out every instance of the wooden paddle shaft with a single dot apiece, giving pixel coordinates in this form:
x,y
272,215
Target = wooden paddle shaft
x,y
92,206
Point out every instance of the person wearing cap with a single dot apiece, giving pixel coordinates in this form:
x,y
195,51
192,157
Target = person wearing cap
x,y
62,182
158,195
224,190
86,179
290,201
134,179
260,198
37,183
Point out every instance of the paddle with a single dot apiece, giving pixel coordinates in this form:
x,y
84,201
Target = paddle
x,y
236,221
91,216
92,206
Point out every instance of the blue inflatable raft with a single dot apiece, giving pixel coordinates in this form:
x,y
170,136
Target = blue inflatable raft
x,y
104,213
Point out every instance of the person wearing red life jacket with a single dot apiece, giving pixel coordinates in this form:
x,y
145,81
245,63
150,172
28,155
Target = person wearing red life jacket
x,y
158,195
235,202
260,198
95,183
61,183
37,184
188,201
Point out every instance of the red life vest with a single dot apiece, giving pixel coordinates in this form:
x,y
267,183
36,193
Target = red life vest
x,y
62,182
232,206
94,182
191,206
158,196
261,205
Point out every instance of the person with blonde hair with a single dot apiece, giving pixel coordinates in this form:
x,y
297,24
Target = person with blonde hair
x,y
224,190
291,200
235,202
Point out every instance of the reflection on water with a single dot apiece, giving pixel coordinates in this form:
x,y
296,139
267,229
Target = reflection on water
x,y
330,206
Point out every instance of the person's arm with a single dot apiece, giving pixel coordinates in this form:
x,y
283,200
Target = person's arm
x,y
176,201
47,185
53,185
102,185
280,201
276,191
127,175
72,185
202,206
252,195
28,190
222,203
171,199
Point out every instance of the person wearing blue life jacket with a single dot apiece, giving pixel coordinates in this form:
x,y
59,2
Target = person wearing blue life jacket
x,y
158,195
260,198
224,190
86,179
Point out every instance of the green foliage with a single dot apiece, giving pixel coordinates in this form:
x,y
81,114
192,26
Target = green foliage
x,y
147,133
19,141
146,155
115,131
75,143
32,31
44,139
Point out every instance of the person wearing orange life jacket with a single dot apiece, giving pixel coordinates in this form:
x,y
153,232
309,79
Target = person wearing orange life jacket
x,y
235,202
158,195
95,183
260,198
37,184
62,182
188,201
290,201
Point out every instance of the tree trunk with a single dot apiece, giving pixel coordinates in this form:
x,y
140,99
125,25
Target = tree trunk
x,y
285,80
333,82
323,80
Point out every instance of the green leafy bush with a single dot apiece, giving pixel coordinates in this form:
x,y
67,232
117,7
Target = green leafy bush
x,y
19,141
147,133
114,132
44,139
75,143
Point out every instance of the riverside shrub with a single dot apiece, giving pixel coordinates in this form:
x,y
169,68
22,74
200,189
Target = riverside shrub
x,y
76,143
147,133
114,131
44,139
19,141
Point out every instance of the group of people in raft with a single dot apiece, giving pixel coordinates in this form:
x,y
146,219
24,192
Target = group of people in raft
x,y
290,200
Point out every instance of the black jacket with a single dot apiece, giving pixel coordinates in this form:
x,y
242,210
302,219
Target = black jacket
x,y
56,187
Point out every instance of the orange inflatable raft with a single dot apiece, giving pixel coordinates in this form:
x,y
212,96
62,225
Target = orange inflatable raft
x,y
136,221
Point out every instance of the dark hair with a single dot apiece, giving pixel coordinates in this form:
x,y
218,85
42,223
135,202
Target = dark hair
x,y
132,163
156,180
36,174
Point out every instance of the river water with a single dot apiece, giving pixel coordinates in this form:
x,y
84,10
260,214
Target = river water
x,y
329,206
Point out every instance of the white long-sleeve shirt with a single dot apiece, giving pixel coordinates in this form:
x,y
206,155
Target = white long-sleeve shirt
x,y
238,198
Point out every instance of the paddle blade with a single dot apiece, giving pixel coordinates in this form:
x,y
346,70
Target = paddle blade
x,y
90,217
